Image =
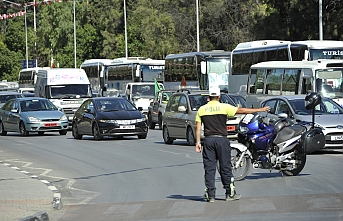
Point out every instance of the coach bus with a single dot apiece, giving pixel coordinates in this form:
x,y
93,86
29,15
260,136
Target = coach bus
x,y
274,78
27,78
248,53
107,74
197,70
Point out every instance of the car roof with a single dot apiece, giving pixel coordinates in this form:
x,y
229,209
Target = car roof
x,y
107,98
8,92
293,97
30,98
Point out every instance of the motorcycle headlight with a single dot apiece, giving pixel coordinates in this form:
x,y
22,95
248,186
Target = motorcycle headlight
x,y
64,117
243,130
34,119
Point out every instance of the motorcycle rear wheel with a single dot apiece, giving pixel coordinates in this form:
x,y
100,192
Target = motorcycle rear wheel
x,y
301,160
244,167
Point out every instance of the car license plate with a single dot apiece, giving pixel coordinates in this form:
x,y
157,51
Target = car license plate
x,y
127,126
51,125
337,137
230,128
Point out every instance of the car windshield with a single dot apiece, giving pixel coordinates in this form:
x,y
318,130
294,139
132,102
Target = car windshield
x,y
7,97
114,105
143,91
327,106
197,100
36,105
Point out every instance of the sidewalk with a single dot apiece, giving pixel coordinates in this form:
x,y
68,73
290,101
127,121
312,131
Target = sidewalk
x,y
24,196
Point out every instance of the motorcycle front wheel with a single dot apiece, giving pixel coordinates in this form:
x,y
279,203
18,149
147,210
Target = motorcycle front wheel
x,y
300,160
243,168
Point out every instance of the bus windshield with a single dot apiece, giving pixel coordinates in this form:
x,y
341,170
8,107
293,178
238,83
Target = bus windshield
x,y
332,53
150,72
218,72
329,82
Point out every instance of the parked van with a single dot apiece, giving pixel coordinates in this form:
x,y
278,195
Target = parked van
x,y
65,87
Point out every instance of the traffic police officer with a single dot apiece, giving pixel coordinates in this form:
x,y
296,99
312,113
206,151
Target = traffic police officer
x,y
213,116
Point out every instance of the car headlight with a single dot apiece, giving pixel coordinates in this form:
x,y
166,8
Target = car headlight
x,y
243,130
108,121
64,117
141,119
133,121
34,119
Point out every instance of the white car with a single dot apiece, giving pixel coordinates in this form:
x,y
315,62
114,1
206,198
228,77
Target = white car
x,y
328,115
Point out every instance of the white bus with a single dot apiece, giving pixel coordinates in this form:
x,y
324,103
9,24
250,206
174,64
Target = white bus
x,y
27,78
197,70
248,53
106,74
274,78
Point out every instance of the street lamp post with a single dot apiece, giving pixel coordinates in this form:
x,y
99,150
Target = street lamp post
x,y
197,12
126,52
74,36
320,20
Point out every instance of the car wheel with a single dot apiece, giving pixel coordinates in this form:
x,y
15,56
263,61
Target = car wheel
x,y
75,132
150,123
142,136
2,131
40,133
166,137
22,129
190,137
96,132
160,121
63,132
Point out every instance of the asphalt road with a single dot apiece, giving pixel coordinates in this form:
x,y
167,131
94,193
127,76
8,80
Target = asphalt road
x,y
132,179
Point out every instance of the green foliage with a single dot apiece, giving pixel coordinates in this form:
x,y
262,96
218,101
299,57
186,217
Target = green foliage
x,y
155,28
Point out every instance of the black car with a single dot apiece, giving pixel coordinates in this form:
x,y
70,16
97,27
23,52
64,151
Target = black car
x,y
108,116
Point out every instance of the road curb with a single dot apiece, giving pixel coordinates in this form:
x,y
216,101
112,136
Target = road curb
x,y
56,200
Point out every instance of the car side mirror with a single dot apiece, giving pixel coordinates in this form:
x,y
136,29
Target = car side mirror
x,y
272,110
283,115
89,111
15,110
140,108
182,109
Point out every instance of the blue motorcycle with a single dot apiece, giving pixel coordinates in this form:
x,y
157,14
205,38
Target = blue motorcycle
x,y
267,141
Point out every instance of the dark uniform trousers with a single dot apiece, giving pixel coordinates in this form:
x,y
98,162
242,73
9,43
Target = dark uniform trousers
x,y
217,148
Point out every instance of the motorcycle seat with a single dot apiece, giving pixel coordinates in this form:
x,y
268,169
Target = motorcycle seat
x,y
289,132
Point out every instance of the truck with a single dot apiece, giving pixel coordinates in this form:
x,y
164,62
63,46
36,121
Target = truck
x,y
141,94
157,107
67,88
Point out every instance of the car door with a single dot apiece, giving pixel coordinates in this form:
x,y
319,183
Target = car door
x,y
155,106
171,115
14,116
182,117
6,119
88,115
